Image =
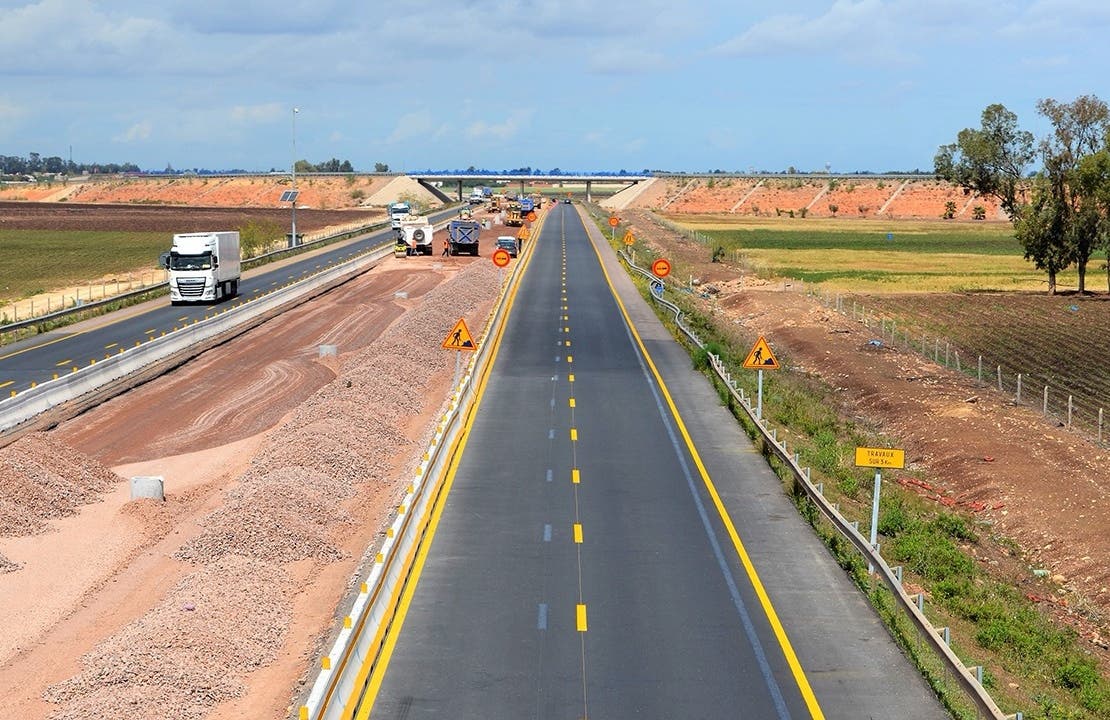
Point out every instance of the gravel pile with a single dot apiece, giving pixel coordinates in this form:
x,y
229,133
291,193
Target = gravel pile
x,y
188,653
42,479
7,566
288,506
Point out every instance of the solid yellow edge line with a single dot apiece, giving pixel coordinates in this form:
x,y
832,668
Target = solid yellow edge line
x,y
365,703
580,617
765,601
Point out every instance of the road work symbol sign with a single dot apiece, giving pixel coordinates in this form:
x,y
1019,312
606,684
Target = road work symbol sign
x,y
629,238
761,357
459,338
880,458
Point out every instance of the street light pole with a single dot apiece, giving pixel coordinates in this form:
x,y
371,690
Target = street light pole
x,y
293,239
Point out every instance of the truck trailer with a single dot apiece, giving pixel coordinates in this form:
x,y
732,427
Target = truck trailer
x,y
203,267
417,233
462,236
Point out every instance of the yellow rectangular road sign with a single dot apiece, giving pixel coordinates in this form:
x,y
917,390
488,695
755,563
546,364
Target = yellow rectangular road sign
x,y
880,457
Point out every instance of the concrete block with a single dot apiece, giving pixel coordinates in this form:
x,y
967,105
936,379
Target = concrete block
x,y
148,486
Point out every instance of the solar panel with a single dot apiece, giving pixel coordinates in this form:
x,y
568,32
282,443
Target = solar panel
x,y
290,195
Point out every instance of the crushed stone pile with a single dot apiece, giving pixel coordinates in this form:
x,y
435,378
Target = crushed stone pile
x,y
189,652
287,506
7,566
42,479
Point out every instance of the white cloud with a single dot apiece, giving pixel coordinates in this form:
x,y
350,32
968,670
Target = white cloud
x,y
419,124
500,131
1061,18
627,61
260,114
848,23
139,132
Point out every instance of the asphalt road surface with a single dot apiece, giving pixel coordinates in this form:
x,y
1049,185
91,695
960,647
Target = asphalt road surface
x,y
39,358
590,561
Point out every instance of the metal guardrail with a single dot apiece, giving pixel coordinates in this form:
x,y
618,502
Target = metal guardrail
x,y
912,606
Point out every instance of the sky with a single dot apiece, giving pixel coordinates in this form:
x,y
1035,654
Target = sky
x,y
578,85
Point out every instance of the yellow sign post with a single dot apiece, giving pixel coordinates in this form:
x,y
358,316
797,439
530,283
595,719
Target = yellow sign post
x,y
459,339
878,458
760,358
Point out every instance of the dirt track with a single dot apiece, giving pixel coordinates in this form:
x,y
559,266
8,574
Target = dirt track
x,y
280,468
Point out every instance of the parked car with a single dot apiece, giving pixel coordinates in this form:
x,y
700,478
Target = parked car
x,y
507,243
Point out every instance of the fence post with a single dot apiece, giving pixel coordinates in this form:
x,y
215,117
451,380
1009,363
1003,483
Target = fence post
x,y
1044,403
957,352
1069,411
999,378
980,369
936,351
947,347
1100,426
1017,397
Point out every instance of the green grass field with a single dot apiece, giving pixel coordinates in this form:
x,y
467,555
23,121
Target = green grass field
x,y
878,256
35,261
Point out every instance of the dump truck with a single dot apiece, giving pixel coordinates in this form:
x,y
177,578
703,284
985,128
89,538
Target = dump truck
x,y
462,236
527,205
417,233
203,267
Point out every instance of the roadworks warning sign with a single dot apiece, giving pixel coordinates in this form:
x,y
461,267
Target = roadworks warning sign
x,y
761,357
459,338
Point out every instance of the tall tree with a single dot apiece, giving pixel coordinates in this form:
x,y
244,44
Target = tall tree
x,y
991,160
1094,178
1039,226
1078,130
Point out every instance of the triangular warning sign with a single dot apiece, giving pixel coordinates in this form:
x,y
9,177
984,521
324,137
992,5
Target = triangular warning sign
x,y
761,357
459,338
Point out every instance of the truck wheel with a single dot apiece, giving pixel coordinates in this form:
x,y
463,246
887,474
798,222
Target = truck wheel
x,y
234,288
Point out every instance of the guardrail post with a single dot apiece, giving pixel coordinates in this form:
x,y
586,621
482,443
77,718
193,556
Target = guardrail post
x,y
921,601
897,570
999,378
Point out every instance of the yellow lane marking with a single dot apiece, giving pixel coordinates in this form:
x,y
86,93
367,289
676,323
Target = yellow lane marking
x,y
578,533
580,612
63,362
5,384
574,435
753,577
575,476
568,343
566,329
183,318
570,358
570,378
151,331
376,665
109,346
572,402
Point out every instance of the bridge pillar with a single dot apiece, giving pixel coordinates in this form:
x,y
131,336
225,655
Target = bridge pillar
x,y
460,190
522,187
588,185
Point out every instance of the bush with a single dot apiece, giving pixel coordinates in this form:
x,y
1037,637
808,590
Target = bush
x,y
718,254
978,213
833,207
803,211
949,210
358,194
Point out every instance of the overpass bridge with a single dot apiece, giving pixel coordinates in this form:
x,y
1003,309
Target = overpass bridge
x,y
429,180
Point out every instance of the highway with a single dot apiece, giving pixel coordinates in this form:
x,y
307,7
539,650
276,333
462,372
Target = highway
x,y
39,358
611,545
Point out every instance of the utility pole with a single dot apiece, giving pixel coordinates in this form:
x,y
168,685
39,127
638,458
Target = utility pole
x,y
293,240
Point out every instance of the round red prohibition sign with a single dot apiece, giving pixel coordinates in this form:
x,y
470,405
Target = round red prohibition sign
x,y
501,258
661,268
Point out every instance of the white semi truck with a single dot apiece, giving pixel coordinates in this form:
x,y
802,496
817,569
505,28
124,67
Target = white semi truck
x,y
203,267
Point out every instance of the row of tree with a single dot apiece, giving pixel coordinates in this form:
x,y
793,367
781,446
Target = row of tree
x,y
1061,212
34,163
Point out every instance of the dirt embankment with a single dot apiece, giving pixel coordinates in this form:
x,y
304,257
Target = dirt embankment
x,y
1027,480
280,466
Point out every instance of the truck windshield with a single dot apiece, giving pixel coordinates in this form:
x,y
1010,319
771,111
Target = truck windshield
x,y
191,262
